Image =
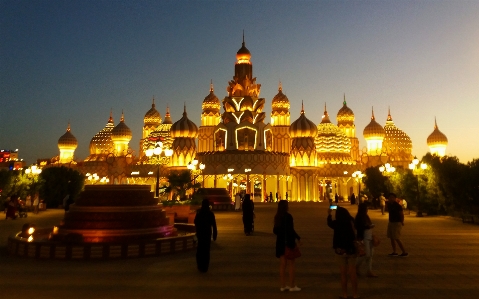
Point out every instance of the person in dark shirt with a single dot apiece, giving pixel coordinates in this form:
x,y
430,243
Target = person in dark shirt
x,y
204,222
396,222
286,236
344,247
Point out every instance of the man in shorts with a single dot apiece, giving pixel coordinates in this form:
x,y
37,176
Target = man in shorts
x,y
396,222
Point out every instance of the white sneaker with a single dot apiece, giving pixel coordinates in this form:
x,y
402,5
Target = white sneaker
x,y
286,288
295,289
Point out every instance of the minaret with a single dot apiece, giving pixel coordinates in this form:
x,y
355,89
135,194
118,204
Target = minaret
x,y
437,141
210,118
67,145
280,122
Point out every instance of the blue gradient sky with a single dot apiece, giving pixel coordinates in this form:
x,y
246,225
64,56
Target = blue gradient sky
x,y
64,61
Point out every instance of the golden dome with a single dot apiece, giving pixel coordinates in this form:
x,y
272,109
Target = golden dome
x,y
280,101
101,142
67,141
121,132
436,137
243,55
167,120
211,103
332,145
184,128
373,129
152,117
395,140
345,115
302,127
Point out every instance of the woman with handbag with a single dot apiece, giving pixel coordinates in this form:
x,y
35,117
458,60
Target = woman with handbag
x,y
364,227
344,240
286,248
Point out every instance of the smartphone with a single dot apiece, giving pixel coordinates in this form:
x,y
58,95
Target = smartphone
x,y
333,207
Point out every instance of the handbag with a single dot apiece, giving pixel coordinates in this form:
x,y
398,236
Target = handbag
x,y
360,250
376,241
291,254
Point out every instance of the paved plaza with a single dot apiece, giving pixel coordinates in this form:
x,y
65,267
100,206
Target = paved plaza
x,y
443,263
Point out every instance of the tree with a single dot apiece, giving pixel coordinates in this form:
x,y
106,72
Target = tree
x,y
58,182
180,182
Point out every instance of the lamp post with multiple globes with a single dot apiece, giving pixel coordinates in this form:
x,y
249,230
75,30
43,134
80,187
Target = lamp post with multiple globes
x,y
417,169
196,169
358,175
159,160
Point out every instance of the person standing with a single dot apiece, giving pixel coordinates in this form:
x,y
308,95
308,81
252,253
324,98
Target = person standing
x,y
204,223
248,214
36,202
364,228
28,203
353,199
237,202
276,196
286,236
271,197
382,201
286,195
336,198
343,244
396,222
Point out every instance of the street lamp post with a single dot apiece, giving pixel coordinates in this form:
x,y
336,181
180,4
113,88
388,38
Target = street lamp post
x,y
417,170
358,175
196,169
160,160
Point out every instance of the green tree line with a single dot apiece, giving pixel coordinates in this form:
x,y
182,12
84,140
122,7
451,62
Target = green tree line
x,y
446,186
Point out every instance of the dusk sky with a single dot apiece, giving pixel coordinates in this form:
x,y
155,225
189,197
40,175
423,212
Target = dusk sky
x,y
73,61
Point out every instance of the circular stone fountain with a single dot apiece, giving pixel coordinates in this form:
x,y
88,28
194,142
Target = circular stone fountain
x,y
107,221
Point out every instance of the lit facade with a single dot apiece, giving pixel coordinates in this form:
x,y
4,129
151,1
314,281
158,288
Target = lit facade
x,y
302,160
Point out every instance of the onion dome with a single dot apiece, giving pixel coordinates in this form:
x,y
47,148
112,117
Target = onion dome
x,y
243,55
325,118
396,141
101,142
436,137
373,130
121,132
345,115
184,127
332,145
167,120
67,141
302,127
280,100
152,117
211,103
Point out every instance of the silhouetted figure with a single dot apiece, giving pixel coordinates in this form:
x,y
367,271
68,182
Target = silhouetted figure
x,y
271,197
204,221
353,199
248,214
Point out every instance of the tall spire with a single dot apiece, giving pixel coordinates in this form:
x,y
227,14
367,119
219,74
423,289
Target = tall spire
x,y
110,120
122,119
372,113
243,37
435,123
153,105
280,86
302,107
344,102
211,86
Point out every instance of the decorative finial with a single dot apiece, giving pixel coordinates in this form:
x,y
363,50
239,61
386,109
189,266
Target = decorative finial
x,y
122,119
302,107
153,105
344,102
435,123
243,37
389,114
110,120
211,86
325,110
372,113
280,86
184,109
68,127
167,110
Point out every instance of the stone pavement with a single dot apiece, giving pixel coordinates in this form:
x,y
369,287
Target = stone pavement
x,y
443,263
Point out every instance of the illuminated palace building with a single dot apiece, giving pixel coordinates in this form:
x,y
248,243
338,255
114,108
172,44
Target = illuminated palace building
x,y
240,152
